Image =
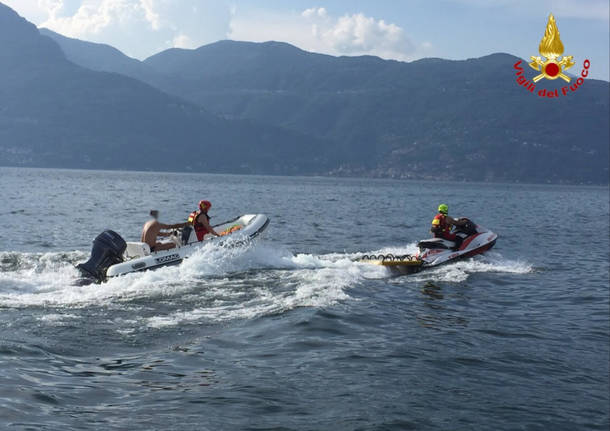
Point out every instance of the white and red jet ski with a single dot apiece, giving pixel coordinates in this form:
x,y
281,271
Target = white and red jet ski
x,y
473,240
432,252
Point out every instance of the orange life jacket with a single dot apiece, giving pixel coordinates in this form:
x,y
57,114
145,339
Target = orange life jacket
x,y
199,228
440,225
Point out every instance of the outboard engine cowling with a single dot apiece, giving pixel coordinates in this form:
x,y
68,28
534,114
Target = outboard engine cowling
x,y
108,249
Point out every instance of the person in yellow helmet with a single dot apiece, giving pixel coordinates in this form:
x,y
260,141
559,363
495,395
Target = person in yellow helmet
x,y
442,224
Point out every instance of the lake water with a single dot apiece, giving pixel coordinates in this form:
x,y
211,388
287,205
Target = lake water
x,y
289,333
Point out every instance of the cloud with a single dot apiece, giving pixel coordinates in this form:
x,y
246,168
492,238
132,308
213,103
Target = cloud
x,y
152,16
315,30
183,41
313,12
92,17
360,34
138,27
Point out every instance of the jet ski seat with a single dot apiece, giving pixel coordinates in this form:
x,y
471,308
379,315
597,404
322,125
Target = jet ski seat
x,y
136,249
436,243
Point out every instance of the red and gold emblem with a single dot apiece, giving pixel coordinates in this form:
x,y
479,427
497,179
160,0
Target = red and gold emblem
x,y
551,65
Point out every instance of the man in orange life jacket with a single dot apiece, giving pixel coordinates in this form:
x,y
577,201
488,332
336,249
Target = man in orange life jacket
x,y
201,221
442,223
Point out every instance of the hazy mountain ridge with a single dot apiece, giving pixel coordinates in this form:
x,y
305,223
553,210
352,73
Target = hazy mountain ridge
x,y
464,119
58,114
100,57
431,118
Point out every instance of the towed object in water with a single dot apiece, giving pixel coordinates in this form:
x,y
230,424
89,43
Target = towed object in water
x,y
433,252
111,255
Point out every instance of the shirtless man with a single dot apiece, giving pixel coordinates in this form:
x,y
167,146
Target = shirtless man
x,y
152,229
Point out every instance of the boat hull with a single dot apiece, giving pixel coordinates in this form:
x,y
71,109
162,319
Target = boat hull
x,y
252,225
472,245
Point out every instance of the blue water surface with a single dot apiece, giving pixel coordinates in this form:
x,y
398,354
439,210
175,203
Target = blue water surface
x,y
290,333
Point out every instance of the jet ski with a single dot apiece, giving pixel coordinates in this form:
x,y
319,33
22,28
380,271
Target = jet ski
x,y
473,240
111,255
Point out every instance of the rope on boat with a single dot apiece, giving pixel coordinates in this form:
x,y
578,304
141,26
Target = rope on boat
x,y
388,257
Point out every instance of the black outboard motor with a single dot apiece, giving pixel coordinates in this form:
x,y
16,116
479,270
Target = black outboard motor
x,y
108,249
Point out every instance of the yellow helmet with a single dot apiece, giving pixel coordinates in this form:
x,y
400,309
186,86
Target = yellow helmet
x,y
443,209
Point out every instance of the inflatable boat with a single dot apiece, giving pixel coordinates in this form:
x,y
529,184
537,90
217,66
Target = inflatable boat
x,y
111,255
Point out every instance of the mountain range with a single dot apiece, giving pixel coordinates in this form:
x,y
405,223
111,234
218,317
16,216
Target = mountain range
x,y
56,113
273,108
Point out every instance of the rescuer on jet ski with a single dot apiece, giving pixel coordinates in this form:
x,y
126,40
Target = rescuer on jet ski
x,y
200,220
442,224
